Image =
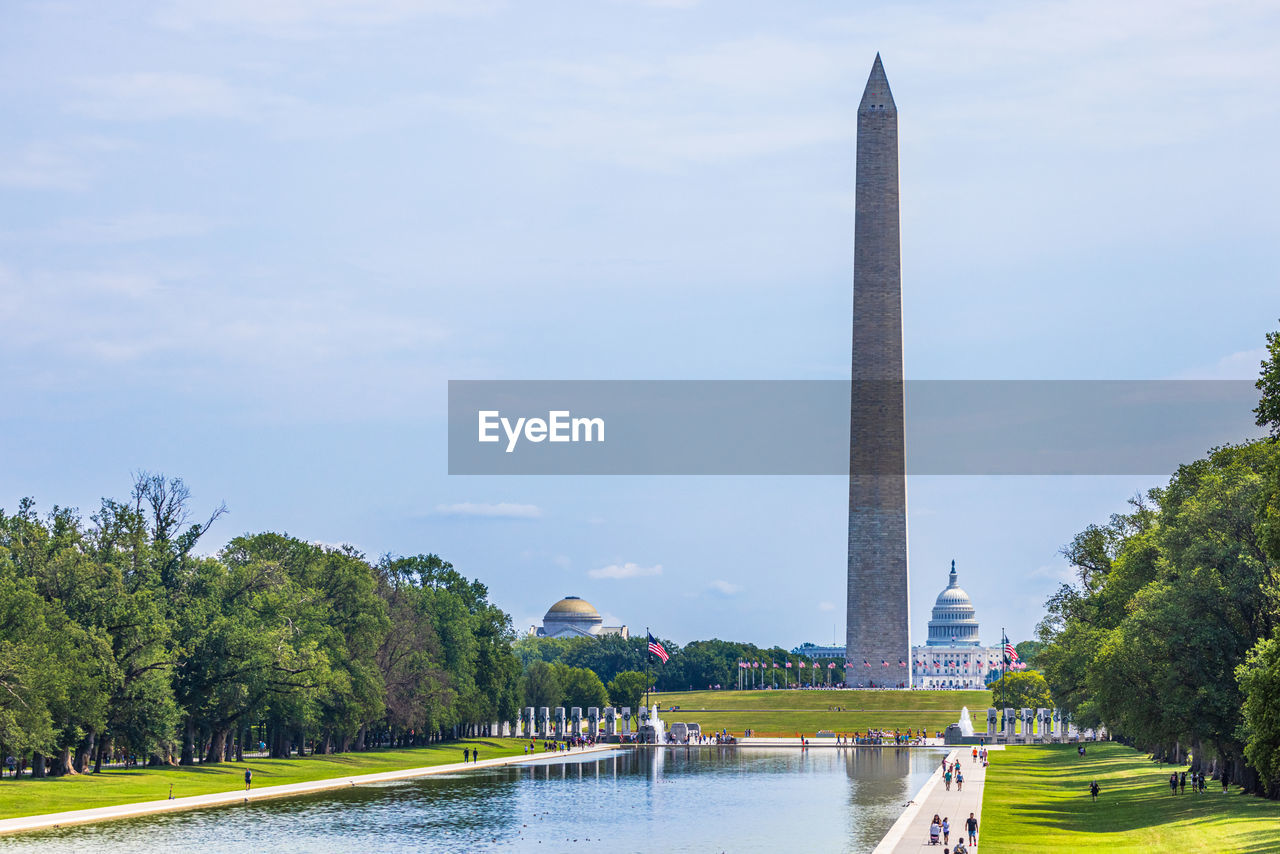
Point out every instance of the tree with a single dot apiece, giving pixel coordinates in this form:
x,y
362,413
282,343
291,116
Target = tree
x,y
1024,689
1268,409
627,689
1259,678
580,687
1027,651
540,686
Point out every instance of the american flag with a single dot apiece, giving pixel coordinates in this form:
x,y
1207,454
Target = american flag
x,y
656,649
1010,652
788,665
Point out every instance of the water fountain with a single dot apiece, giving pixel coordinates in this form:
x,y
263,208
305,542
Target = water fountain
x,y
961,732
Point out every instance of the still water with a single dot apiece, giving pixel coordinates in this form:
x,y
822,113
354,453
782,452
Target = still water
x,y
694,799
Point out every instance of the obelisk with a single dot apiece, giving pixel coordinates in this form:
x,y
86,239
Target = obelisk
x,y
877,629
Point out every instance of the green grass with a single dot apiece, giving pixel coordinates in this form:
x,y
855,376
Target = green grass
x,y
27,796
1037,799
789,713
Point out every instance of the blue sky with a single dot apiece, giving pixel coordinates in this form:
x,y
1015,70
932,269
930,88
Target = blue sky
x,y
249,242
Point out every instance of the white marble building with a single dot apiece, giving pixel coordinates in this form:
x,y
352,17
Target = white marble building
x,y
953,655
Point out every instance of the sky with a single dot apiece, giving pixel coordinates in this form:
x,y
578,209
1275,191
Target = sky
x,y
248,243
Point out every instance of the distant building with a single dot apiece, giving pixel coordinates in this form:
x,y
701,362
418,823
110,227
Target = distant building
x,y
953,655
812,650
572,617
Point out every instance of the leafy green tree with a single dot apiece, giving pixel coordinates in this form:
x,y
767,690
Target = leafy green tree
x,y
1259,678
1268,409
1021,689
580,687
1027,651
540,686
627,689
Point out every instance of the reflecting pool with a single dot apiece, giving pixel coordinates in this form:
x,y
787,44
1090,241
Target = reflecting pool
x,y
645,800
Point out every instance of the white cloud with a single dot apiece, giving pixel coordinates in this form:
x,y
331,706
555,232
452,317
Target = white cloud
x,y
309,19
1243,365
1060,573
39,167
137,227
150,95
625,570
826,606
724,588
503,510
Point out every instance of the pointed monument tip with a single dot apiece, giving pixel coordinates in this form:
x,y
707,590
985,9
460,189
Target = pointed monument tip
x,y
877,96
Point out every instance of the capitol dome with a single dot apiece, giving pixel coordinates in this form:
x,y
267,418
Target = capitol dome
x,y
954,622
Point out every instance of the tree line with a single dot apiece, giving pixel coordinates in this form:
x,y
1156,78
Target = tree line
x,y
1170,636
118,639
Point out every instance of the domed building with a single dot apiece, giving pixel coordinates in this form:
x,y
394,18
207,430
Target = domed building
x,y
953,655
573,617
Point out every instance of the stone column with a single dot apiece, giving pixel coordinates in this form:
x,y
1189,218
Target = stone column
x,y
559,721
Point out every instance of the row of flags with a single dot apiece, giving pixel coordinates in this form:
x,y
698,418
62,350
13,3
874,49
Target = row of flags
x,y
1010,654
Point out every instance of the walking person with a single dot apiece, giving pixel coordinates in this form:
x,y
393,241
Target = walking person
x,y
1093,790
971,828
475,755
248,779
946,831
946,778
466,755
1173,783
959,781
1182,783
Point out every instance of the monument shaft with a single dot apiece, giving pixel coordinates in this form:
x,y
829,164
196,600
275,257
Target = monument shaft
x,y
877,627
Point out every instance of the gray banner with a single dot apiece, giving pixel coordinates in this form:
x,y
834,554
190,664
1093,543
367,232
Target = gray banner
x,y
964,427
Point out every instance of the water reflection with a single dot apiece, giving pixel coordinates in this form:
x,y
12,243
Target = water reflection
x,y
673,799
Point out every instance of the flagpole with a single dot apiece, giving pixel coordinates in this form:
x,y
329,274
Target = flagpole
x,y
1004,662
648,659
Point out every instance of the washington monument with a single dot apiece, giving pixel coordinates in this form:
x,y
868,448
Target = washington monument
x,y
877,629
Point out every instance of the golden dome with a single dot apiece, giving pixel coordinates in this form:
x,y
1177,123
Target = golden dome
x,y
572,606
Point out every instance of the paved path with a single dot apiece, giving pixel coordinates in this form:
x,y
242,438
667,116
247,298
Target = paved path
x,y
911,831
87,816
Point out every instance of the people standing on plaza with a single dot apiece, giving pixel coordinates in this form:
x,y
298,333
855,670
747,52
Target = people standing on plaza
x,y
1093,790
971,827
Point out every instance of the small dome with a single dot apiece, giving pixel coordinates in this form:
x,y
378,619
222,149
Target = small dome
x,y
955,622
571,607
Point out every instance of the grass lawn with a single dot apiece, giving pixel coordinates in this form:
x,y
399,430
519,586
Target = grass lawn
x,y
1037,799
788,713
27,796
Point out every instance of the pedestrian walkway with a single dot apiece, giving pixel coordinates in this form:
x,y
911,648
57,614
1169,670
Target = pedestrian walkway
x,y
911,831
238,796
